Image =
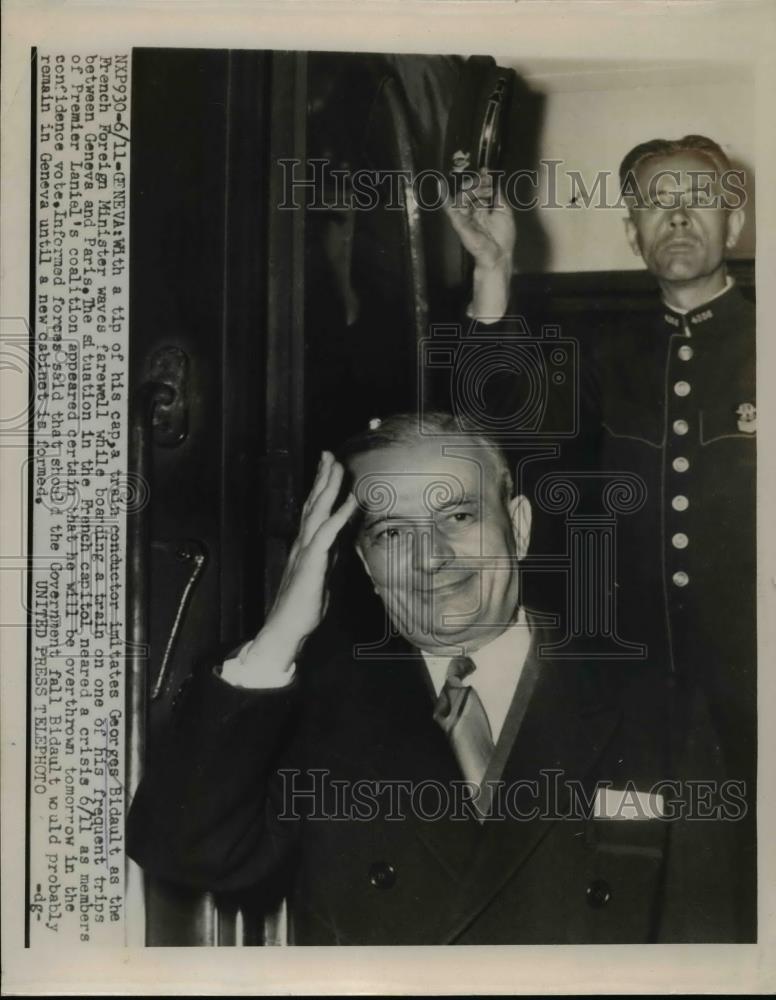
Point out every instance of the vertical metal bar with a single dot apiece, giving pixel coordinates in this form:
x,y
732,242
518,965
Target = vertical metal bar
x,y
226,567
243,334
296,401
416,290
285,347
285,320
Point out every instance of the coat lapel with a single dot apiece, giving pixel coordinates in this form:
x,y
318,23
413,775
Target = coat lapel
x,y
399,741
569,722
387,731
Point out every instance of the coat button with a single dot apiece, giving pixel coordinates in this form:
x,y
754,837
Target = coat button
x,y
685,352
598,894
681,464
682,388
681,427
680,502
680,578
382,875
680,540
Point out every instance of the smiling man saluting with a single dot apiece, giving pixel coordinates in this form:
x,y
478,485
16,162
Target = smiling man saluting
x,y
442,784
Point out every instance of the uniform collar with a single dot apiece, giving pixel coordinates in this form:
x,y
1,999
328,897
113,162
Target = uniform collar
x,y
717,307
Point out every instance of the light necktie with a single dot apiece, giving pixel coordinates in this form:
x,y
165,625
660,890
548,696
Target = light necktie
x,y
460,713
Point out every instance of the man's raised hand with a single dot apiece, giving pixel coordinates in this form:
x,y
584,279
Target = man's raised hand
x,y
301,599
483,222
486,228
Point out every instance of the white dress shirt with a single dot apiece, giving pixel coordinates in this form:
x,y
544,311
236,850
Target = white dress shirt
x,y
499,666
247,670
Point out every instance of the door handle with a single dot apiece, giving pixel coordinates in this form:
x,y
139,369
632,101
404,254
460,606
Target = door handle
x,y
193,552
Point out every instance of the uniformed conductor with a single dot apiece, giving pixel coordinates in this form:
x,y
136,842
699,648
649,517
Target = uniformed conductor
x,y
677,402
444,782
670,397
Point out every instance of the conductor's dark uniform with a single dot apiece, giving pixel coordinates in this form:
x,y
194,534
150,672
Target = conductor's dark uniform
x,y
669,398
676,405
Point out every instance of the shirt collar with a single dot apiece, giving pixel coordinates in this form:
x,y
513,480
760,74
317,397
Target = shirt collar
x,y
503,652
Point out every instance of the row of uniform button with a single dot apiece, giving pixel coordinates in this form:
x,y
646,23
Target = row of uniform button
x,y
681,464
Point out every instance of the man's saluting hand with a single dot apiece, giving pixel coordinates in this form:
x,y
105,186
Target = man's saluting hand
x,y
301,599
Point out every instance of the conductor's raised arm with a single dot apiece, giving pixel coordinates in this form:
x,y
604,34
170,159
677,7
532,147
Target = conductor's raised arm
x,y
486,228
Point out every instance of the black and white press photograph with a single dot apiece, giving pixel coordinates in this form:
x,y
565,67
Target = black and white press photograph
x,y
390,476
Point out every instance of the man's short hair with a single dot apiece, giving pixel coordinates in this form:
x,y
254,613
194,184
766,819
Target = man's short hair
x,y
414,429
666,147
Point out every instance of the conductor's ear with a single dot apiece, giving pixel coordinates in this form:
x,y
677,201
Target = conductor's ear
x,y
735,223
520,513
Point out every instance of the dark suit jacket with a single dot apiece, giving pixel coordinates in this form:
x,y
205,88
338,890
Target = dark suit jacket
x,y
208,813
